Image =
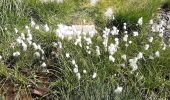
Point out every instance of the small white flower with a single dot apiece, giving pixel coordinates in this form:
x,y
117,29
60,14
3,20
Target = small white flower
x,y
133,63
67,55
89,52
140,21
16,30
32,23
140,55
37,27
146,46
26,27
157,54
124,26
16,54
94,75
43,64
126,45
88,41
98,50
78,75
135,33
75,70
124,57
6,28
87,47
161,35
0,57
151,22
29,36
19,40
150,39
118,89
130,42
125,38
35,46
23,36
24,46
46,28
73,62
109,13
84,71
37,54
111,58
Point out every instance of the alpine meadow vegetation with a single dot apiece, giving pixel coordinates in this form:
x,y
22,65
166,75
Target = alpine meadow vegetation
x,y
84,49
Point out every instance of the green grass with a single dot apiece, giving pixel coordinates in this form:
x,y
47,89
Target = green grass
x,y
63,83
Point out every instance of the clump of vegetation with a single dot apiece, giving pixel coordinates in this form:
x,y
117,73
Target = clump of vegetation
x,y
126,58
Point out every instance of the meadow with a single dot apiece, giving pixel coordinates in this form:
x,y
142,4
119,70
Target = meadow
x,y
42,56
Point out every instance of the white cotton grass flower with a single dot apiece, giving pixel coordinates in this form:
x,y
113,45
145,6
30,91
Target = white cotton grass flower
x,y
125,38
60,45
35,46
29,37
93,2
6,28
23,36
135,33
67,55
146,46
98,50
73,62
130,42
164,46
37,27
109,13
111,58
19,40
84,71
94,75
24,46
161,35
78,41
150,39
16,30
115,31
157,54
16,54
75,70
140,55
89,52
126,45
140,21
0,57
124,57
151,22
133,63
37,54
46,28
78,76
43,64
124,26
88,41
32,23
117,41
112,48
26,27
118,89
87,47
